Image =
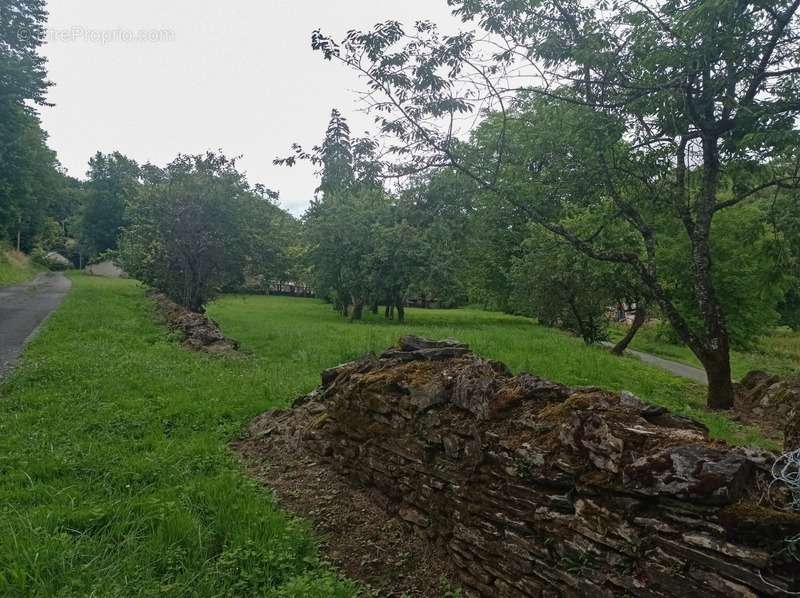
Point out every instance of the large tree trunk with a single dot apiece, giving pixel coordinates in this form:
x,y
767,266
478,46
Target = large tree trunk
x,y
358,310
582,330
715,353
717,363
720,386
640,315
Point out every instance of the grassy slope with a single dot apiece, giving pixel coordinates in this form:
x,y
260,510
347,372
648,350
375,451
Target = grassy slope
x,y
115,477
15,268
778,353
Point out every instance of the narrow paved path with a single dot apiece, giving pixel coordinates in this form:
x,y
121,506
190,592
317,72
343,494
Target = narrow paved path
x,y
22,310
677,368
674,367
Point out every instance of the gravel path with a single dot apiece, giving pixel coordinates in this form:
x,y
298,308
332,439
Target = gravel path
x,y
23,308
678,369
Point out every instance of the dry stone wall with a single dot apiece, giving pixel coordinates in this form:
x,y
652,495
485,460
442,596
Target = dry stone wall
x,y
773,400
536,489
200,332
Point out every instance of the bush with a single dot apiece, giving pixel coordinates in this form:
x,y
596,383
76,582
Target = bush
x,y
41,259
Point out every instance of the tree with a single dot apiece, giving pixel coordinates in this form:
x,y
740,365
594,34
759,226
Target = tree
x,y
341,232
23,75
656,111
344,162
29,172
439,206
29,177
336,156
195,229
113,182
553,282
342,221
784,220
397,259
749,275
273,236
441,281
496,233
560,287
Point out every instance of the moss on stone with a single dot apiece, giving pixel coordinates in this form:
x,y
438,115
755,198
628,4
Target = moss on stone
x,y
759,525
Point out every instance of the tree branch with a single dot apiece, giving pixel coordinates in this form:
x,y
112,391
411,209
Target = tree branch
x,y
795,184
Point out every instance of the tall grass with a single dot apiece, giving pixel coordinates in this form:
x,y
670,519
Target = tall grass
x,y
299,337
15,267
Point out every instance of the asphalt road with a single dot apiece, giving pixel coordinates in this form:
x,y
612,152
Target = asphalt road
x,y
22,310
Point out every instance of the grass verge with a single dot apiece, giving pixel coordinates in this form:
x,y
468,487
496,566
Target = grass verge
x,y
115,476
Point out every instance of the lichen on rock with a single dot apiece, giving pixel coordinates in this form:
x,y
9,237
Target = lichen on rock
x,y
535,489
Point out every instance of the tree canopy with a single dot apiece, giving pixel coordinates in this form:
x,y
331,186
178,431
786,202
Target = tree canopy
x,y
113,182
198,227
644,114
563,159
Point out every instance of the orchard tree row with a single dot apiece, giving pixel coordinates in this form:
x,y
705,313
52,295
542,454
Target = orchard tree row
x,y
647,143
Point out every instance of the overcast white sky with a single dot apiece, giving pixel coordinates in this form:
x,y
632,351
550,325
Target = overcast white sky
x,y
237,75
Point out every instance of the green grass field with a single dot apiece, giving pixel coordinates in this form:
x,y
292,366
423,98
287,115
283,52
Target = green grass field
x,y
15,268
777,353
305,336
115,474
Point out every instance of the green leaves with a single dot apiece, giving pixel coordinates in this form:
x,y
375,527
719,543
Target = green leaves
x,y
22,69
114,182
343,161
31,185
198,228
31,188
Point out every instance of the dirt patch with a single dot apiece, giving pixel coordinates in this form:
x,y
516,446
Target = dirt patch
x,y
200,332
360,537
